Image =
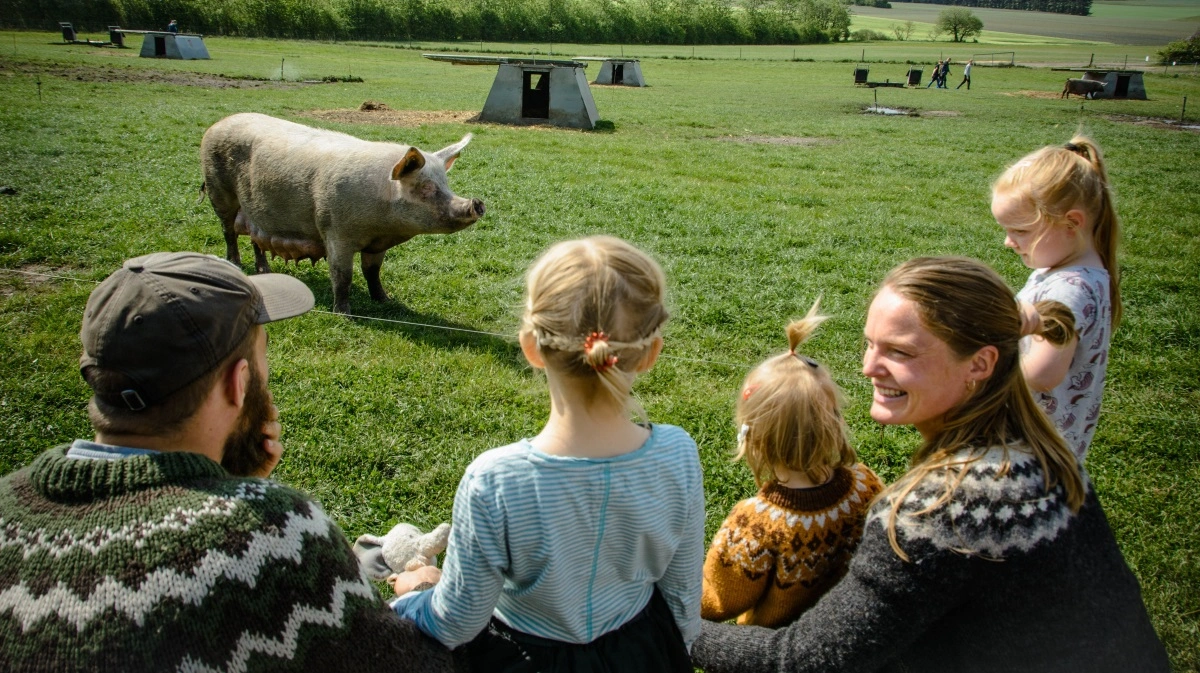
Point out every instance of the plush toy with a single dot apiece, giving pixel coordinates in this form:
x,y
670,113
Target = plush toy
x,y
405,547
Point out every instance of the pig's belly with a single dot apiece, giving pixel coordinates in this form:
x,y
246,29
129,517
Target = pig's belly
x,y
285,247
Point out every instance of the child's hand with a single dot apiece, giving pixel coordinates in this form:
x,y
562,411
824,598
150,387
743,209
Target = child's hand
x,y
409,580
272,447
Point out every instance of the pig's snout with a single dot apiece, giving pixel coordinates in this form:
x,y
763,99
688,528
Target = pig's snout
x,y
478,207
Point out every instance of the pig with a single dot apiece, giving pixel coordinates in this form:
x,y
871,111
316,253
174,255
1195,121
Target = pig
x,y
1087,88
306,193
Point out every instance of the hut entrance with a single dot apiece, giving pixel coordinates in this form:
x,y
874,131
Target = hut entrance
x,y
618,73
1122,86
160,45
535,97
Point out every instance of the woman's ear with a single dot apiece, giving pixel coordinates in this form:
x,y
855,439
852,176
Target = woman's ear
x,y
529,349
983,363
651,356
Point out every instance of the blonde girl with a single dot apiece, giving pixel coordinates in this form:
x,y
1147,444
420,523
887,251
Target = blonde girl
x,y
1056,208
580,548
778,552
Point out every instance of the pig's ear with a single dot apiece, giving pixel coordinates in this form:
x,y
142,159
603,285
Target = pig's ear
x,y
449,154
412,162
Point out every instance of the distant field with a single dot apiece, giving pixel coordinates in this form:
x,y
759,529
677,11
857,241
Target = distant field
x,y
1149,22
1163,10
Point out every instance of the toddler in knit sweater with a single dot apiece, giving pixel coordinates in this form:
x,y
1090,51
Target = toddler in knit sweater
x,y
778,552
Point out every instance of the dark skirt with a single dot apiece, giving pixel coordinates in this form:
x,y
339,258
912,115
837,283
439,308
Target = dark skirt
x,y
648,643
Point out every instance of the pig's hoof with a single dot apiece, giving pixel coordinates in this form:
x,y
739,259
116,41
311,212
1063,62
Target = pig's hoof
x,y
379,296
343,309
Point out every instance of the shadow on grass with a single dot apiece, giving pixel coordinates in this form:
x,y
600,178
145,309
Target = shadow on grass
x,y
428,328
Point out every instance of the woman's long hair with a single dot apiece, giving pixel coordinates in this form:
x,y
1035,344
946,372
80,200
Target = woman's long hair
x,y
967,305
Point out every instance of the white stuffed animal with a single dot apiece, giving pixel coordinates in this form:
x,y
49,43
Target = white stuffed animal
x,y
405,547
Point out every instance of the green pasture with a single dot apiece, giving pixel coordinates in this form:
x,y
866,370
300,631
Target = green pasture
x,y
757,182
1130,22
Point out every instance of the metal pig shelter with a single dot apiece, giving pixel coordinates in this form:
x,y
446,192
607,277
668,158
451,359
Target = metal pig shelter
x,y
1117,83
534,91
617,71
172,45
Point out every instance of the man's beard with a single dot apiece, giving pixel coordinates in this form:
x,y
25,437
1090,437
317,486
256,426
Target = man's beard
x,y
244,452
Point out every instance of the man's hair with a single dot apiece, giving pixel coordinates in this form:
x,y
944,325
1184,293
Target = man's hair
x,y
110,415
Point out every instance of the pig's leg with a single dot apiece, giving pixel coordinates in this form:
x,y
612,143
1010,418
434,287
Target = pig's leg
x,y
260,259
371,264
231,217
341,266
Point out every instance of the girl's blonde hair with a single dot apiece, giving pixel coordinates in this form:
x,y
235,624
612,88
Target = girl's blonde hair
x,y
595,307
1060,178
968,306
789,409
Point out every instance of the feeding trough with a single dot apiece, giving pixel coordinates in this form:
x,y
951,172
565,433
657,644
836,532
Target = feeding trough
x,y
534,91
1118,83
617,71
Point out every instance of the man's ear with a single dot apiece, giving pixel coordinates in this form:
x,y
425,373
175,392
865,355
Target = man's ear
x,y
651,356
530,349
983,363
236,382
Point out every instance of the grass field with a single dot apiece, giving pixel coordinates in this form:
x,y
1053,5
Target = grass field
x,y
1127,22
758,184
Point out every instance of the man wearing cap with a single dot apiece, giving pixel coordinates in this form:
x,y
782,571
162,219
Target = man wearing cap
x,y
160,545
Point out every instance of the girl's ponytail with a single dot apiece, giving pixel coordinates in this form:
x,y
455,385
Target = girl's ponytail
x,y
1106,228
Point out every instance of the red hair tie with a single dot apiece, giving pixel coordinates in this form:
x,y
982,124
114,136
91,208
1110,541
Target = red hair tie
x,y
590,342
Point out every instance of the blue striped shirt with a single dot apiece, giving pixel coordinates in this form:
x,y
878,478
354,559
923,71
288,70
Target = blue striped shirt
x,y
570,548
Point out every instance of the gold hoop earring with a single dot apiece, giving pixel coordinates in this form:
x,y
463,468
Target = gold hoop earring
x,y
971,386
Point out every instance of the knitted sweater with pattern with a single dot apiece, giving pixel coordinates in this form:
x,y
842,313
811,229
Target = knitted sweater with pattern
x,y
778,552
1003,577
165,562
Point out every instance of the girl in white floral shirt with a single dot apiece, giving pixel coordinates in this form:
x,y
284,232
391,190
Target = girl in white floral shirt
x,y
1056,207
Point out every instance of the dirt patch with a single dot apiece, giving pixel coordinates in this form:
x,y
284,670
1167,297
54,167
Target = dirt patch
x,y
791,141
1191,125
380,113
109,74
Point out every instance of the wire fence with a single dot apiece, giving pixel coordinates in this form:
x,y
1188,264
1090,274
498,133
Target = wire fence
x,y
1001,59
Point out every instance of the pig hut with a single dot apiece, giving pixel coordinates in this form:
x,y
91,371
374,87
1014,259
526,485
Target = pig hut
x,y
534,91
617,71
158,44
1118,83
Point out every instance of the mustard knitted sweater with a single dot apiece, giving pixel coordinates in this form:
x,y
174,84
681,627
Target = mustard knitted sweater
x,y
777,552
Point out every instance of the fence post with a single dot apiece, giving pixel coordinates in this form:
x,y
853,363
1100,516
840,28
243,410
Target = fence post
x,y
1184,111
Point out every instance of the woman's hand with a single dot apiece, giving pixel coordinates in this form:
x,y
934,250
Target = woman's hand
x,y
409,580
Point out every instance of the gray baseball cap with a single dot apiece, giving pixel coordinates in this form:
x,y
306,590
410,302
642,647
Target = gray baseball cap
x,y
165,319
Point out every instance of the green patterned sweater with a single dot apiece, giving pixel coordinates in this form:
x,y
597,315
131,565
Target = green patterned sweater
x,y
165,562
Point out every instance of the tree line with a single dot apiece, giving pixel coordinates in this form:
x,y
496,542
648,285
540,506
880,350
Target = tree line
x,y
1079,7
577,21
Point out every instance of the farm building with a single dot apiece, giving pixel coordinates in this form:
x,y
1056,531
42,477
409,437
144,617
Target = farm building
x,y
173,45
